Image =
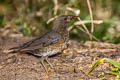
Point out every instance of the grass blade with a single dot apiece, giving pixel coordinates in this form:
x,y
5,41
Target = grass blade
x,y
116,64
94,65
113,73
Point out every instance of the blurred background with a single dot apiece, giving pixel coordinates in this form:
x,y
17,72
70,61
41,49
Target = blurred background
x,y
29,18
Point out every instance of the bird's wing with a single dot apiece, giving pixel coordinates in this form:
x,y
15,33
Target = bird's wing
x,y
41,42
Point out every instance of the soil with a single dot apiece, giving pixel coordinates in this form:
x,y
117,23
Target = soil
x,y
73,64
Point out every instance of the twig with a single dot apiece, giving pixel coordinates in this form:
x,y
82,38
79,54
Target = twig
x,y
51,19
91,15
84,26
96,50
88,21
75,11
70,28
70,9
84,22
88,33
55,6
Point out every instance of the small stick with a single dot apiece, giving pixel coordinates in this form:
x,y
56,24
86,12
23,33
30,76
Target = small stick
x,y
91,15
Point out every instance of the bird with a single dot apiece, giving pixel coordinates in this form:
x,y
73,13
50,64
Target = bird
x,y
51,43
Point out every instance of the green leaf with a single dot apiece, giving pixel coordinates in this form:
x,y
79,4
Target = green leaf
x,y
116,64
113,73
94,65
115,69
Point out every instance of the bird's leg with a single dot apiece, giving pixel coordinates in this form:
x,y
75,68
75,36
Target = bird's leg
x,y
46,58
42,62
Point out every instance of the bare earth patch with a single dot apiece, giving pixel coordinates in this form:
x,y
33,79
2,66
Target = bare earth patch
x,y
73,64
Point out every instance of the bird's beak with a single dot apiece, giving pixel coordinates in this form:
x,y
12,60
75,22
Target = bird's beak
x,y
73,17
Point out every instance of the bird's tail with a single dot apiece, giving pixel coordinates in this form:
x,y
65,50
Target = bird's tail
x,y
14,49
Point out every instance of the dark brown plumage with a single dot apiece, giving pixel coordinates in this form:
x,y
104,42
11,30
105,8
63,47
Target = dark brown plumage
x,y
51,43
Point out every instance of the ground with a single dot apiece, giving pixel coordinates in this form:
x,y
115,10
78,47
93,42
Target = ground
x,y
73,64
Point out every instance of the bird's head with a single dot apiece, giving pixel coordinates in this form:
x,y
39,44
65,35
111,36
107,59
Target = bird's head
x,y
65,18
62,21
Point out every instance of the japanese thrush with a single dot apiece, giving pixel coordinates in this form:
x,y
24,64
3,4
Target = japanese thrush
x,y
51,43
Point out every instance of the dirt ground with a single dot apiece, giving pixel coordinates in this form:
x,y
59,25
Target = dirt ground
x,y
73,64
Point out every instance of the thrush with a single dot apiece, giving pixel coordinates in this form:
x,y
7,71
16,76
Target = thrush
x,y
51,43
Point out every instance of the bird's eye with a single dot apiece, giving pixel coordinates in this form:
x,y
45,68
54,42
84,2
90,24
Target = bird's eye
x,y
65,19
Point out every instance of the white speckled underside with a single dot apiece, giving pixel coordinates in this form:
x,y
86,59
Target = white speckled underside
x,y
50,53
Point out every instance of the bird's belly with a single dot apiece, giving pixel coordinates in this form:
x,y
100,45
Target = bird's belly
x,y
51,50
49,53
